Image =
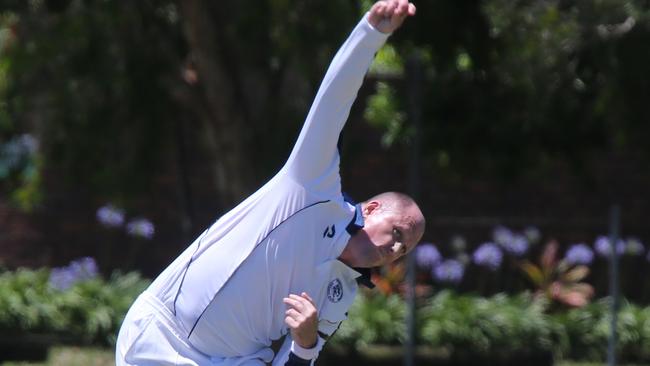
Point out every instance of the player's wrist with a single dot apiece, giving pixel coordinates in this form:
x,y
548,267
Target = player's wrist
x,y
307,344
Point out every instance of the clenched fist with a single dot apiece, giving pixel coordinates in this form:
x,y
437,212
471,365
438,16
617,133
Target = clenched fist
x,y
388,15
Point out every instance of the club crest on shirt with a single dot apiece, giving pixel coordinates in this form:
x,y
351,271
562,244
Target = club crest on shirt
x,y
335,290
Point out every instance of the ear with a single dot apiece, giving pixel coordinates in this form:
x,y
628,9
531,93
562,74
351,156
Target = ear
x,y
370,207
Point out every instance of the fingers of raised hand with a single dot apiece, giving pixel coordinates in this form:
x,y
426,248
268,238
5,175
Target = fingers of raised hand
x,y
388,15
412,9
390,8
378,9
401,7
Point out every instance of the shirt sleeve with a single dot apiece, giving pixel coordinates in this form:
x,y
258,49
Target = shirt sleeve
x,y
290,354
315,153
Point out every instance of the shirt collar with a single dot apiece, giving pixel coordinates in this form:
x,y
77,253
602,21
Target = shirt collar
x,y
365,278
353,227
357,221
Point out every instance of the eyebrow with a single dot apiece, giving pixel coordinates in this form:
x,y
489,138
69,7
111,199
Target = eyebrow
x,y
407,228
405,231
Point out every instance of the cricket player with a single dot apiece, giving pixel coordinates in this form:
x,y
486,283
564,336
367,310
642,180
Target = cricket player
x,y
287,261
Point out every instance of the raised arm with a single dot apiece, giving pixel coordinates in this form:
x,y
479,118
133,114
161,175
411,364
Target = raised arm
x,y
315,154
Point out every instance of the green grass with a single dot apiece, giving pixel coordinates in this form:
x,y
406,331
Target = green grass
x,y
73,356
570,363
83,356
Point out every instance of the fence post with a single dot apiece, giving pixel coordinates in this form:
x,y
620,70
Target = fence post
x,y
614,223
413,79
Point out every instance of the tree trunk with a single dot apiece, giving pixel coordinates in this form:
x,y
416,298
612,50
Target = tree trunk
x,y
220,111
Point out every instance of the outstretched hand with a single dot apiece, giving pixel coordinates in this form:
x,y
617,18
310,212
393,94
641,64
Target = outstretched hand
x,y
302,319
388,15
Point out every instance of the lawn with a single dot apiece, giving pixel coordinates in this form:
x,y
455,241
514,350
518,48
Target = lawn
x,y
75,356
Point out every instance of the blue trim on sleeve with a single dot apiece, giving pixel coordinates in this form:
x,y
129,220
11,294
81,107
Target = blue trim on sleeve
x,y
296,361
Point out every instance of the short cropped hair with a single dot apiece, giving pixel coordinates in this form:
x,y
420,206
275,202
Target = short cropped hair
x,y
393,201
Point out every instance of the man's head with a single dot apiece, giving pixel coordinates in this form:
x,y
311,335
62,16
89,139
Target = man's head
x,y
393,225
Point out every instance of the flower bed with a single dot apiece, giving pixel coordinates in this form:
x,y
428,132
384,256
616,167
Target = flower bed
x,y
43,307
497,330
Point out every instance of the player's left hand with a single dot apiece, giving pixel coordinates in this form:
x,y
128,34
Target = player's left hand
x,y
302,319
388,15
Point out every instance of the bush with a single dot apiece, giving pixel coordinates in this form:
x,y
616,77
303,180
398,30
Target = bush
x,y
373,319
88,312
26,302
588,329
495,327
498,328
94,309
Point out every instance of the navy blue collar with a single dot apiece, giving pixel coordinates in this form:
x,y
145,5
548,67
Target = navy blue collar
x,y
365,278
357,221
353,227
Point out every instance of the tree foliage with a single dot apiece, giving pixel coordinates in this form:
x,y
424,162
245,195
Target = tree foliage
x,y
513,85
113,89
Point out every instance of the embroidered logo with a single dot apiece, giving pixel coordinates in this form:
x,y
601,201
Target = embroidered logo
x,y
335,290
329,231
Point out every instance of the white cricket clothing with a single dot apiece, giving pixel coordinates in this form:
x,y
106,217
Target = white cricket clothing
x,y
220,302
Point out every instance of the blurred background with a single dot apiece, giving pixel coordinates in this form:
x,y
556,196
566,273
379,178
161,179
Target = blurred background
x,y
126,128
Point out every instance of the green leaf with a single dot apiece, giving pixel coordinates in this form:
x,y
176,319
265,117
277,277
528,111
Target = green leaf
x,y
533,272
576,274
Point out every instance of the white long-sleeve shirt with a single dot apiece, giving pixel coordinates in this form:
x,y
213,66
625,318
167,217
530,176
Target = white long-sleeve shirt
x,y
226,289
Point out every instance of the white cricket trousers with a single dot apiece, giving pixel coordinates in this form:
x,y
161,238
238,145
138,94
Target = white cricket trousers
x,y
149,336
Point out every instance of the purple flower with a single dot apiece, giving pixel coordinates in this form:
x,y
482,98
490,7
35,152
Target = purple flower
x,y
634,247
84,268
604,248
488,255
142,228
517,246
579,254
449,271
110,216
427,256
62,278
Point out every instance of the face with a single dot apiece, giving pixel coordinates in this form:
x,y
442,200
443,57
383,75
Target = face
x,y
385,237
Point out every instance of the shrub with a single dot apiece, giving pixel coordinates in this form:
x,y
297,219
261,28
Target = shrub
x,y
496,326
89,311
373,319
588,329
499,328
26,302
